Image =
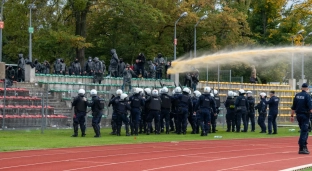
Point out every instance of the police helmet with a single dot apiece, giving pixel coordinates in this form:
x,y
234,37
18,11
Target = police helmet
x,y
211,94
148,91
160,91
197,93
81,91
230,93
165,90
215,92
123,96
119,92
178,90
173,92
235,94
187,90
262,95
155,93
249,93
136,90
93,92
241,91
207,89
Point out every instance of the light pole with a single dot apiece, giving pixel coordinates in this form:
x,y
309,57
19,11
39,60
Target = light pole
x,y
175,35
292,57
1,27
302,59
30,30
201,18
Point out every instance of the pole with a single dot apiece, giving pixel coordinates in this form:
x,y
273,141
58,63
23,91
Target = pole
x,y
1,19
207,73
218,76
46,105
30,52
195,41
42,112
4,95
175,40
292,59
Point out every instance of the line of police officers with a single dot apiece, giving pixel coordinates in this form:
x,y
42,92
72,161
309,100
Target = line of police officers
x,y
176,110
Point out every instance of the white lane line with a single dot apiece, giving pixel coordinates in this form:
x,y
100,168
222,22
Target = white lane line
x,y
82,168
298,167
262,163
105,156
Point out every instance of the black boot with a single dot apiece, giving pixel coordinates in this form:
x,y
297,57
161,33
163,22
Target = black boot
x,y
127,130
302,150
306,149
75,131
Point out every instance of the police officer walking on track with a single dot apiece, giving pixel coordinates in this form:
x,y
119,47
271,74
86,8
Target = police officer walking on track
x,y
207,107
80,104
137,102
154,102
230,111
302,106
241,106
251,112
122,114
97,105
214,118
273,111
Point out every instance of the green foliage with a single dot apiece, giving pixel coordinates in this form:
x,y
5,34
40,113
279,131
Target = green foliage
x,y
80,28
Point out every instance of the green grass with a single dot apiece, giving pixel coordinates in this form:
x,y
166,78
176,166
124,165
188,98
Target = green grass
x,y
33,139
308,169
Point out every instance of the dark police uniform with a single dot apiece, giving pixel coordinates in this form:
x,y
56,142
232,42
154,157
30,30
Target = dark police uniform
x,y
137,102
122,107
195,117
273,111
262,110
185,106
251,113
79,116
144,114
241,107
213,124
230,113
113,101
97,105
302,106
207,107
154,103
166,103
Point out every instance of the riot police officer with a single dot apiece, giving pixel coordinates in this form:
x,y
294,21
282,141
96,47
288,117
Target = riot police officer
x,y
262,110
214,118
154,102
88,68
303,108
195,117
241,107
206,107
137,102
251,111
113,101
230,111
165,108
97,105
80,104
273,112
122,114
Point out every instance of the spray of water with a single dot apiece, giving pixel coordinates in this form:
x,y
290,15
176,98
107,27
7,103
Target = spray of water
x,y
267,57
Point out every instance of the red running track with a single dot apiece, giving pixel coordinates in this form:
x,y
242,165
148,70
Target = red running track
x,y
244,154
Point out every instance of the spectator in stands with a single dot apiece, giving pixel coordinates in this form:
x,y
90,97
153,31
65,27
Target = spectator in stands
x,y
195,79
159,62
136,66
114,63
98,70
127,76
89,67
20,76
21,65
10,75
37,66
46,67
57,66
168,65
188,79
121,67
76,67
150,70
141,64
63,67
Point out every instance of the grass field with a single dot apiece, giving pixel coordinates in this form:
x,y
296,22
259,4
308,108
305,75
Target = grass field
x,y
33,139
